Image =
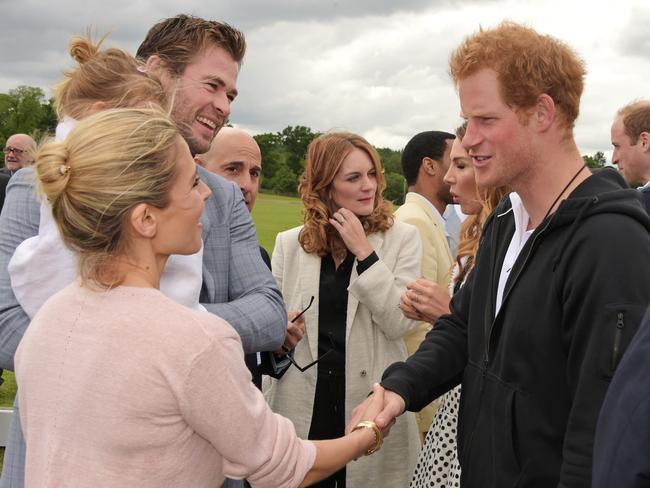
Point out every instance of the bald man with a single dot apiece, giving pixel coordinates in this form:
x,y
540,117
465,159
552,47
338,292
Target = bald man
x,y
235,155
19,152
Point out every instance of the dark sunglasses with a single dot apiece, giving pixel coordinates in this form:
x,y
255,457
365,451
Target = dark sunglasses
x,y
302,369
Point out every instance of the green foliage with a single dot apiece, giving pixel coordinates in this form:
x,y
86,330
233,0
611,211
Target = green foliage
x,y
295,140
283,158
284,181
274,156
283,161
395,185
26,110
391,160
598,160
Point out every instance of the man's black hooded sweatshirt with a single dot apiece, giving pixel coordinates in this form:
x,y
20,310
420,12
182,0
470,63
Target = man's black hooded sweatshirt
x,y
534,376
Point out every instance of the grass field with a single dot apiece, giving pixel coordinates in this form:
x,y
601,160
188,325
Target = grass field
x,y
273,214
7,389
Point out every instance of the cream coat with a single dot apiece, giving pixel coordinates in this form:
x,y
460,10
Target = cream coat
x,y
436,266
374,339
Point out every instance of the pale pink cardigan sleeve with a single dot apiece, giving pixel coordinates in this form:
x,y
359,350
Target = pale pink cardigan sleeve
x,y
221,404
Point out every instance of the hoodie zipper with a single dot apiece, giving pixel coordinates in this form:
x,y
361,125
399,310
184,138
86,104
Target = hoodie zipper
x,y
486,359
620,325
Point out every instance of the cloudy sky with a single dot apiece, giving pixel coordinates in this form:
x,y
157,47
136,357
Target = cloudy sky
x,y
376,67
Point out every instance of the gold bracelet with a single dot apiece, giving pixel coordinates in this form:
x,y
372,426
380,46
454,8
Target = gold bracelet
x,y
379,437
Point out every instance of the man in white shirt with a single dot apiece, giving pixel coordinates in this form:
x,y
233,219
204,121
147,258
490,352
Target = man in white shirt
x,y
631,141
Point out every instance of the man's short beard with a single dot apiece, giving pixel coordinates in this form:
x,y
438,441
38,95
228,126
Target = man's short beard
x,y
444,195
196,145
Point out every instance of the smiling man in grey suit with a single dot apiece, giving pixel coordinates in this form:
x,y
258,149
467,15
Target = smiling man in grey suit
x,y
200,60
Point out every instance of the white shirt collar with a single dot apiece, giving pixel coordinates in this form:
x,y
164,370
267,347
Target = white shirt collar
x,y
520,214
647,185
64,127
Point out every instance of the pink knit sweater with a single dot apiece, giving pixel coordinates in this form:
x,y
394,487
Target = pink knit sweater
x,y
127,388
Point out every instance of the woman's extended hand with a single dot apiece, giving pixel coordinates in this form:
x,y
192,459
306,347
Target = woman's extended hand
x,y
351,230
382,407
425,300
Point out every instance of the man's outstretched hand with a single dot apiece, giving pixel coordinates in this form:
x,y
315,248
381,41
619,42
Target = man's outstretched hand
x,y
393,407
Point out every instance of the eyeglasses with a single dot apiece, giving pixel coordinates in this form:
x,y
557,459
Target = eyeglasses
x,y
311,301
15,150
302,369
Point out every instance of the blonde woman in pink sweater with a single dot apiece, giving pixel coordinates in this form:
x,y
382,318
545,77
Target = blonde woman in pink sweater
x,y
120,385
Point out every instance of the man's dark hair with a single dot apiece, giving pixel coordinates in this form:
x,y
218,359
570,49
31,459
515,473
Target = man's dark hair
x,y
430,144
178,40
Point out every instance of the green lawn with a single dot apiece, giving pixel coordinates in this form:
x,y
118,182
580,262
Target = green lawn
x,y
273,214
7,389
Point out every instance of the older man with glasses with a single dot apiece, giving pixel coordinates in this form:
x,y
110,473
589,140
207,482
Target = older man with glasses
x,y
19,152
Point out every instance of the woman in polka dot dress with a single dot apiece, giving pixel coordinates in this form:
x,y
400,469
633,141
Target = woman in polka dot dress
x,y
438,464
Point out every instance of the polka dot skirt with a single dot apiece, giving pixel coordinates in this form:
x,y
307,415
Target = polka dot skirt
x,y
438,465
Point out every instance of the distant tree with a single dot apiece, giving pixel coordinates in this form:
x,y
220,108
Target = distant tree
x,y
273,156
25,110
391,160
295,140
49,120
284,181
598,160
283,162
395,184
272,161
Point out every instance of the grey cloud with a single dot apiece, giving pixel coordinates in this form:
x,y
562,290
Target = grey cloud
x,y
371,66
387,80
635,37
253,13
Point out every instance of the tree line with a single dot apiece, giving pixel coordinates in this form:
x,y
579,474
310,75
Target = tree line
x,y
283,162
27,110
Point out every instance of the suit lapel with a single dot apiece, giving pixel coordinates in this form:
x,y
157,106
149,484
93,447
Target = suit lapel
x,y
376,240
309,284
438,225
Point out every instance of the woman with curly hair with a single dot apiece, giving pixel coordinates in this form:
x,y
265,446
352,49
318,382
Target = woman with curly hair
x,y
438,464
353,261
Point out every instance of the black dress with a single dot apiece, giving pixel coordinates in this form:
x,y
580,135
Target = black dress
x,y
328,416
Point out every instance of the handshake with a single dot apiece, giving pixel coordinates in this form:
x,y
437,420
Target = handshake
x,y
381,407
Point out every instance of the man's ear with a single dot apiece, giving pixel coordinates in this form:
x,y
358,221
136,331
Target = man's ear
x,y
543,112
644,140
429,166
154,64
143,220
158,67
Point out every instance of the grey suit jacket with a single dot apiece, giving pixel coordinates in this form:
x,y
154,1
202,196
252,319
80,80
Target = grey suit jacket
x,y
237,285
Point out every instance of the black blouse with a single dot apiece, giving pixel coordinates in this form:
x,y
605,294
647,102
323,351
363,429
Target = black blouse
x,y
332,310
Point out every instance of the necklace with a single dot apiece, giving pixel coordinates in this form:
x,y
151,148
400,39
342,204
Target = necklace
x,y
562,192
